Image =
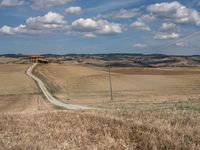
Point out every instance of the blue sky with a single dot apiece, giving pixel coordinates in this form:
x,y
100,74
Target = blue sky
x,y
100,26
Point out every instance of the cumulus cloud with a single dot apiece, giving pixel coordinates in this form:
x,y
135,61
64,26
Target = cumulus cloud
x,y
142,22
122,14
147,18
51,21
11,3
105,27
139,45
166,35
168,27
140,26
176,12
96,26
167,31
19,30
49,3
7,30
84,25
171,14
73,10
38,25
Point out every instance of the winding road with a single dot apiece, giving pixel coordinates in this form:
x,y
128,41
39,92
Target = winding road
x,y
48,95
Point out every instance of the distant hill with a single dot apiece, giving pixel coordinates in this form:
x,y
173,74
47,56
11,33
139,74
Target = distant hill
x,y
125,59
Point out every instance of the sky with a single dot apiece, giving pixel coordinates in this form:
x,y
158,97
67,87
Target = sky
x,y
100,26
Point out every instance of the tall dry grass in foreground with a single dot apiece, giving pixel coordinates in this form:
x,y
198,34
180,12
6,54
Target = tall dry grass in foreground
x,y
101,130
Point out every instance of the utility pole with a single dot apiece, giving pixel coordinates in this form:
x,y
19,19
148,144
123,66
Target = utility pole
x,y
110,79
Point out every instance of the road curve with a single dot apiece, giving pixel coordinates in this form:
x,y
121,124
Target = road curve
x,y
46,93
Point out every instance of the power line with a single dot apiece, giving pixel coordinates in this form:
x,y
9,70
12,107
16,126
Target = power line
x,y
179,40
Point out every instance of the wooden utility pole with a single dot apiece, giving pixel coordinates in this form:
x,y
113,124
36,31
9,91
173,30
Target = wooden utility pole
x,y
110,79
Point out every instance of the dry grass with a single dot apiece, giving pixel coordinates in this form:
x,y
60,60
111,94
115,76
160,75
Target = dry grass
x,y
158,71
15,81
100,130
135,123
5,60
23,103
18,92
90,85
74,82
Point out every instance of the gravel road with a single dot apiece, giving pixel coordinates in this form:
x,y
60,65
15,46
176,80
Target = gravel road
x,y
48,95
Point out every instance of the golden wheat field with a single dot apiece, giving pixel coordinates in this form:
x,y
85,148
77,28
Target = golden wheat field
x,y
18,92
90,85
85,130
27,121
15,81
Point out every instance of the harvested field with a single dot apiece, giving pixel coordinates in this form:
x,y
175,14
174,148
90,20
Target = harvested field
x,y
18,92
150,123
90,85
158,71
100,130
15,81
23,103
73,82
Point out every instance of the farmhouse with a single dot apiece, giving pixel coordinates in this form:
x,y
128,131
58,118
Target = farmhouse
x,y
38,59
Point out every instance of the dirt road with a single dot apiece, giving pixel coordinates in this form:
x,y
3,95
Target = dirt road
x,y
49,97
89,85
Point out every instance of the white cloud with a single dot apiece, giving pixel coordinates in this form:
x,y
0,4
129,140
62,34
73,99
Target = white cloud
x,y
96,26
19,30
140,26
38,25
139,45
11,3
167,31
7,30
84,25
73,10
49,3
122,14
181,44
105,27
142,22
147,18
51,21
168,27
175,11
166,35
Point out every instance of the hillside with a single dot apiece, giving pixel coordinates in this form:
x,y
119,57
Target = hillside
x,y
115,60
100,130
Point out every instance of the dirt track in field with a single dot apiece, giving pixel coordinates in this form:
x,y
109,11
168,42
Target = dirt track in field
x,y
18,92
90,85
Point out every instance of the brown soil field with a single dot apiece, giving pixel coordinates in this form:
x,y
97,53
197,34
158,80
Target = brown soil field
x,y
100,130
90,85
164,109
18,92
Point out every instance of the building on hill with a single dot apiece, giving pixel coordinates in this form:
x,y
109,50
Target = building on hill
x,y
38,59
